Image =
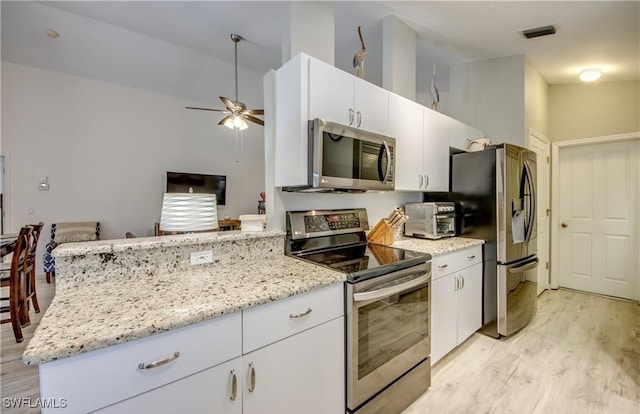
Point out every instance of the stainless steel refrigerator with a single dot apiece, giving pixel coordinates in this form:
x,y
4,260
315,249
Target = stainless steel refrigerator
x,y
496,194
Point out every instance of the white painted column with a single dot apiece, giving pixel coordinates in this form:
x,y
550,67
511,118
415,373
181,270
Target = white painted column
x,y
398,57
310,29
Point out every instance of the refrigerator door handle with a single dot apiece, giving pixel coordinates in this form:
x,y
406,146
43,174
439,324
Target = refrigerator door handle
x,y
527,178
525,267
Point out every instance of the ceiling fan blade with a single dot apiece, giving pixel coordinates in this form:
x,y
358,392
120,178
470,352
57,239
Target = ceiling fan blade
x,y
254,111
253,119
223,120
228,103
207,109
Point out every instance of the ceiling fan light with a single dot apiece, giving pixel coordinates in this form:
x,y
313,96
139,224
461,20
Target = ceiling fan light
x,y
590,75
240,123
229,122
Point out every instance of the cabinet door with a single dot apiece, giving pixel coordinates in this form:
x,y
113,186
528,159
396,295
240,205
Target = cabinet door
x,y
469,302
208,391
435,155
330,93
301,374
405,125
371,104
443,317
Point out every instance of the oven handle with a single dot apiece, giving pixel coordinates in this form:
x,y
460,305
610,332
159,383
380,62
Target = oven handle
x,y
391,290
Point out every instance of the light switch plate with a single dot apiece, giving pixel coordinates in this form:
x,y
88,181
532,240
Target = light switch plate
x,y
203,257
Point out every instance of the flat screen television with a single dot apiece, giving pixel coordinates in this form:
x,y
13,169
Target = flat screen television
x,y
178,182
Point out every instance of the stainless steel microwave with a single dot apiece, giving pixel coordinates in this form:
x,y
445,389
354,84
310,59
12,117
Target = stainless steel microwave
x,y
345,159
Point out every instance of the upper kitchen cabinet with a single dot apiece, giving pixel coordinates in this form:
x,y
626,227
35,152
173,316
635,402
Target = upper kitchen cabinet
x,y
435,151
461,134
307,88
405,125
340,97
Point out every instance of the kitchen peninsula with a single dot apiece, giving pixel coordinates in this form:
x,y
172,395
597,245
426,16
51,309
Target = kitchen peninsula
x,y
133,324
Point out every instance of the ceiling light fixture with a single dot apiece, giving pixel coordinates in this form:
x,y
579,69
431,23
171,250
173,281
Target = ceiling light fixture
x,y
52,34
590,75
237,110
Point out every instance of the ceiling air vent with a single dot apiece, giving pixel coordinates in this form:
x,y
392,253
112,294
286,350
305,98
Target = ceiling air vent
x,y
539,31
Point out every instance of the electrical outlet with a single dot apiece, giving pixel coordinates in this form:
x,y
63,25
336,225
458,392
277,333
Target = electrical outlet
x,y
203,257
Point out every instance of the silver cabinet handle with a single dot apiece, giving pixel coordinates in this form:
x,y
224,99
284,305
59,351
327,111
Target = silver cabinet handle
x,y
160,363
462,282
444,266
359,119
421,181
252,382
300,315
471,257
426,181
350,116
234,385
457,284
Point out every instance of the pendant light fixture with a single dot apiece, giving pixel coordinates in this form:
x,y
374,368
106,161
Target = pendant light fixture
x,y
237,111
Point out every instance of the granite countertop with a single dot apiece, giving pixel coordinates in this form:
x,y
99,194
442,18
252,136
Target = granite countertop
x,y
146,243
87,318
436,247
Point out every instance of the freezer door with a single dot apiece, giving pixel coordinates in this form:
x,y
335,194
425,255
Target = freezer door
x,y
528,189
516,295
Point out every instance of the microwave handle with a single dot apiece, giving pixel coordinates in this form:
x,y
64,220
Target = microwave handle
x,y
384,148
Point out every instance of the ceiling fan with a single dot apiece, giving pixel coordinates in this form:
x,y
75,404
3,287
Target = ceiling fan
x,y
236,110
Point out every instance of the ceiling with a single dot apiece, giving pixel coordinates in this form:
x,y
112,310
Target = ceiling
x,y
605,34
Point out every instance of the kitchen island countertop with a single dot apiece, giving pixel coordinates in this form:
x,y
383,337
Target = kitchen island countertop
x,y
91,317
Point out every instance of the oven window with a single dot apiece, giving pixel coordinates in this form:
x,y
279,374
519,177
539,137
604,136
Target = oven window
x,y
390,326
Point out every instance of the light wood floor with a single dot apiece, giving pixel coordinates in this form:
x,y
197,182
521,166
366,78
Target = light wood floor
x,y
580,354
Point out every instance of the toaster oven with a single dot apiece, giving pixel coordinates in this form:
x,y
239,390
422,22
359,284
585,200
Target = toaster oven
x,y
430,220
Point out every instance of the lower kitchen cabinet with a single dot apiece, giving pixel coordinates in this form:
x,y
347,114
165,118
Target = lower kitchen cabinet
x,y
285,357
456,300
300,374
208,391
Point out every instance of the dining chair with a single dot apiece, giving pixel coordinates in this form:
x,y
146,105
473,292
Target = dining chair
x,y
15,281
67,233
30,281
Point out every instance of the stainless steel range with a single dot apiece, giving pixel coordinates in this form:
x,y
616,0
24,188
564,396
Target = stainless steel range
x,y
388,307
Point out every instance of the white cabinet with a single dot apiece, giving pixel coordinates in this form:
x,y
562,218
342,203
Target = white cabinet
x,y
435,152
340,97
307,88
456,299
283,357
214,390
405,125
301,374
461,134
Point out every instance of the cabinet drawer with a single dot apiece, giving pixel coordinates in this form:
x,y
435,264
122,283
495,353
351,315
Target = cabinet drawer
x,y
272,322
453,262
99,378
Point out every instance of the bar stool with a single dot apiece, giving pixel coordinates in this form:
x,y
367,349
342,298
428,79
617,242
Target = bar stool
x,y
15,281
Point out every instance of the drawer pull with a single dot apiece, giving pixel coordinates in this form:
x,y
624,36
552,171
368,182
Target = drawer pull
x,y
252,383
300,315
471,257
234,385
443,266
159,363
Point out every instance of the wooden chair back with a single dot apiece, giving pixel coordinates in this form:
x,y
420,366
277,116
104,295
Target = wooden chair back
x,y
15,281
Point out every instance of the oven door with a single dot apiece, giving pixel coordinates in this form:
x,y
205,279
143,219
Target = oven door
x,y
388,330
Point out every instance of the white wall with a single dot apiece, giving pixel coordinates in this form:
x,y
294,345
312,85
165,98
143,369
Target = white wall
x,y
105,149
599,109
536,101
490,95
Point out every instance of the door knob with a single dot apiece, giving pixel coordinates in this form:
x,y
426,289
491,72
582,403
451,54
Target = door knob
x,y
564,225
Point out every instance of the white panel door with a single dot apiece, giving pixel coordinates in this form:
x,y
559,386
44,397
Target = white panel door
x,y
469,301
330,93
540,145
371,104
444,317
598,218
405,125
435,151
